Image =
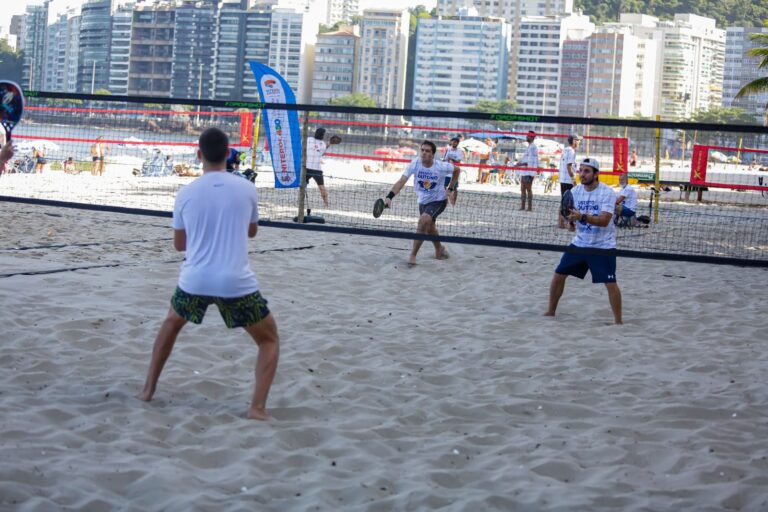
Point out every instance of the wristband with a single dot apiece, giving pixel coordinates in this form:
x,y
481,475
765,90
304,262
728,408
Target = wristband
x,y
391,195
584,218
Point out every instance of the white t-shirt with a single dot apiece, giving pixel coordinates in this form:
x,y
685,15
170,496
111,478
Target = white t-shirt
x,y
315,150
530,159
630,197
429,181
569,157
453,154
215,210
601,199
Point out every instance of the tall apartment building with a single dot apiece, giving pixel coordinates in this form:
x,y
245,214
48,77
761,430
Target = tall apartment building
x,y
95,41
120,50
383,56
690,62
241,35
460,60
342,10
33,40
335,65
537,74
61,52
740,69
291,49
151,57
573,78
192,68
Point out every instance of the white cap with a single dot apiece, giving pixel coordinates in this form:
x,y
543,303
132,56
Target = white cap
x,y
591,162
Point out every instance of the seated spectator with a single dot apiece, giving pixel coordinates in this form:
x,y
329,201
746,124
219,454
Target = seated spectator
x,y
626,204
69,165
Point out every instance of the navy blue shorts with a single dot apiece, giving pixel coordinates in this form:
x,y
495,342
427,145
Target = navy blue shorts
x,y
626,212
448,181
602,266
433,209
315,175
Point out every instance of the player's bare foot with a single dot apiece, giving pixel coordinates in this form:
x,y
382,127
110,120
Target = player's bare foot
x,y
549,313
146,395
259,414
411,261
443,254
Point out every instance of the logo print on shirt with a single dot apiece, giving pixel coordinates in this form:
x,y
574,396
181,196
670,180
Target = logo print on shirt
x,y
427,185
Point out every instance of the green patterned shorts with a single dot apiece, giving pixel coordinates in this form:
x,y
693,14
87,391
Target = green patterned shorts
x,y
236,312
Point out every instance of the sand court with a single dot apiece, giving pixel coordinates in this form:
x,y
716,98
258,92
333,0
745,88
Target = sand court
x,y
439,386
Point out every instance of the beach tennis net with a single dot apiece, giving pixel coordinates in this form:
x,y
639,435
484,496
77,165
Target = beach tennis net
x,y
110,152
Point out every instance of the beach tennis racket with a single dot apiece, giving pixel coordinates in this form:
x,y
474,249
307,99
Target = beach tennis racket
x,y
566,204
378,208
11,106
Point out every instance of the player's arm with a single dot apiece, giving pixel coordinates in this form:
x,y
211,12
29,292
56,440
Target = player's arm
x,y
454,178
396,188
6,153
570,169
180,240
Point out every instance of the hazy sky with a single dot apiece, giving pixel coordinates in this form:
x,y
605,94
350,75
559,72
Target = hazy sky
x,y
11,7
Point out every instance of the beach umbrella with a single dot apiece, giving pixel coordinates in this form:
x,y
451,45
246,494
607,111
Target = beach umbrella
x,y
406,151
45,145
474,146
385,152
496,135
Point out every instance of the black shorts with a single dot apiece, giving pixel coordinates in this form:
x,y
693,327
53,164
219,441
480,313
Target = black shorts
x,y
317,175
565,187
98,158
448,181
433,209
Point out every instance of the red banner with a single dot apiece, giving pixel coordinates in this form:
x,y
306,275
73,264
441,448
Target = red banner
x,y
620,155
699,164
246,128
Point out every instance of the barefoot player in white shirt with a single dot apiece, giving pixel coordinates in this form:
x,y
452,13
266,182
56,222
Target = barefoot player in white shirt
x,y
593,214
428,179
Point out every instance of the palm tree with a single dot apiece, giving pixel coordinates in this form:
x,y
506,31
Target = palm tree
x,y
760,51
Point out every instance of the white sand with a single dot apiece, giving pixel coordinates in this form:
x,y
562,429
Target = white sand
x,y
440,386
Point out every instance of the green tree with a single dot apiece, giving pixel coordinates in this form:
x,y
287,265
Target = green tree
x,y
723,115
356,99
758,85
10,62
495,107
330,28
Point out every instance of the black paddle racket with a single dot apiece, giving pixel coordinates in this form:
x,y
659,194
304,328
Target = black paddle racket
x,y
11,106
378,208
566,204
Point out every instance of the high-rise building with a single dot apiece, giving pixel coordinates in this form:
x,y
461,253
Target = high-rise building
x,y
506,9
291,49
120,50
690,61
192,70
459,61
740,69
342,10
61,52
335,64
537,77
95,41
573,78
151,57
383,56
241,35
33,40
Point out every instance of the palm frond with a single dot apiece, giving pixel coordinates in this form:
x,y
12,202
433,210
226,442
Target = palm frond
x,y
757,86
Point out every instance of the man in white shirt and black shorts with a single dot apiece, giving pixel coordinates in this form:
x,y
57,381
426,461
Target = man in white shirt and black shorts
x,y
565,177
626,204
316,148
428,179
213,217
530,160
455,156
594,204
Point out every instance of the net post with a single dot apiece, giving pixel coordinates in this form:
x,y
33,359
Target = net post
x,y
303,179
255,142
658,174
